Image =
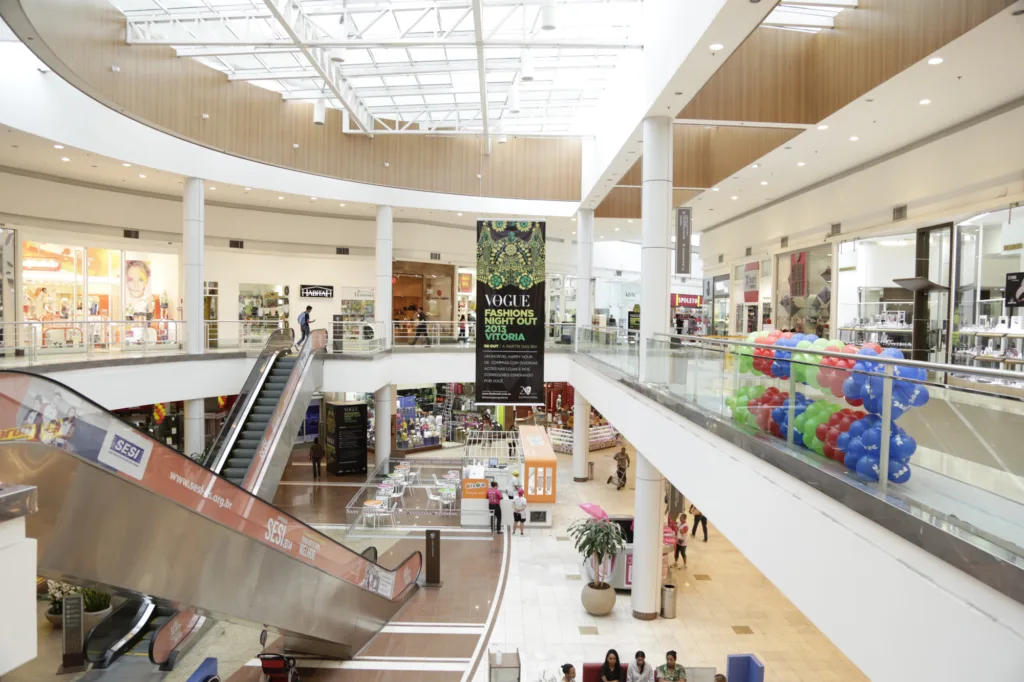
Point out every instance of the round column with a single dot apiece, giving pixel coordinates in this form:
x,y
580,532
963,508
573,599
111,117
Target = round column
x,y
656,249
195,427
382,407
382,297
580,436
193,236
584,269
647,532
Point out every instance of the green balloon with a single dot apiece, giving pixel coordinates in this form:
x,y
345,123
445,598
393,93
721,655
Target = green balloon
x,y
746,365
800,421
730,402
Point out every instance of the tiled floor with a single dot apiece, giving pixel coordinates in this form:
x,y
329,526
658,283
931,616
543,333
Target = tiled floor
x,y
541,613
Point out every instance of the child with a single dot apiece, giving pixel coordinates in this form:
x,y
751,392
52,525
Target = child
x,y
682,531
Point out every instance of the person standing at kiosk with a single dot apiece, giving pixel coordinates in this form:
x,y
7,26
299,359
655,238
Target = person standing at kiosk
x,y
494,504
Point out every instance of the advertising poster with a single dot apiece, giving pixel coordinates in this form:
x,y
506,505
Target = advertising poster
x,y
633,319
1014,289
138,292
34,409
465,282
346,438
751,275
510,291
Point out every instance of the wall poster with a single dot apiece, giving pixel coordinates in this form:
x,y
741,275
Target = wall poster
x,y
510,294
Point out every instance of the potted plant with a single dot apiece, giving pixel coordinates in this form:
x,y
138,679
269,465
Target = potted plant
x,y
96,604
598,540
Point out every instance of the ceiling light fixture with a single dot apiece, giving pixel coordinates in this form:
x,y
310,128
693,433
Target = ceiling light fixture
x,y
513,99
734,197
715,47
142,176
823,127
935,61
715,189
248,189
342,205
64,158
853,138
630,221
213,189
58,146
126,165
312,198
764,182
548,16
617,229
526,72
459,214
925,102
756,165
801,164
280,198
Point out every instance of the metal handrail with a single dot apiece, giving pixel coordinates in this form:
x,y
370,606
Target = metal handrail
x,y
932,366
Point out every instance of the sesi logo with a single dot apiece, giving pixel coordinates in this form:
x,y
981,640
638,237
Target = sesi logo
x,y
126,451
125,448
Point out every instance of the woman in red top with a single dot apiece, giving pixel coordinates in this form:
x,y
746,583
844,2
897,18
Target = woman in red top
x,y
494,503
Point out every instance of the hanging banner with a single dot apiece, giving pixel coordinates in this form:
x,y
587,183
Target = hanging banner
x,y
633,319
751,277
510,293
465,282
684,240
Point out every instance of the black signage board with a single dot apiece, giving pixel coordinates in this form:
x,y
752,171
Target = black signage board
x,y
433,558
73,636
633,320
510,291
345,437
316,291
1014,289
684,240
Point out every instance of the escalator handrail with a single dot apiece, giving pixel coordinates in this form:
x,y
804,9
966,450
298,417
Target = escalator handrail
x,y
249,501
315,341
278,341
142,610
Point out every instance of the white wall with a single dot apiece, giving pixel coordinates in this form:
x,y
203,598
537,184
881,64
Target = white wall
x,y
896,611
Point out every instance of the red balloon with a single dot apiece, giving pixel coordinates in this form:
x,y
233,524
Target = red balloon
x,y
775,430
830,451
874,346
837,390
849,349
856,403
845,423
832,435
821,432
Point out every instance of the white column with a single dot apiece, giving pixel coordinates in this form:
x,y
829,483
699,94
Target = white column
x,y
584,269
656,254
647,532
18,630
580,436
195,427
385,232
382,407
194,232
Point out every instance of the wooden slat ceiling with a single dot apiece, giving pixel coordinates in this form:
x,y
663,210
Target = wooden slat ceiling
x,y
789,77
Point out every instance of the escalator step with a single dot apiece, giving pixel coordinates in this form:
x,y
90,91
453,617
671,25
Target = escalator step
x,y
235,475
238,463
242,452
283,372
262,411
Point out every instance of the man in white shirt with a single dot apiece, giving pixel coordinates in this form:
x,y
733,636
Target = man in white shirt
x,y
519,512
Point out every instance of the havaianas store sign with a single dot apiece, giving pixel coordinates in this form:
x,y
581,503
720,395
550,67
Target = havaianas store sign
x,y
510,292
316,291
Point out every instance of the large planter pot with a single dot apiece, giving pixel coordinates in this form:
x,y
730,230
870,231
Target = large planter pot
x,y
598,602
55,619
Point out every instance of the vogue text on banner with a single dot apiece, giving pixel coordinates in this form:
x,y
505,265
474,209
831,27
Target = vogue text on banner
x,y
510,293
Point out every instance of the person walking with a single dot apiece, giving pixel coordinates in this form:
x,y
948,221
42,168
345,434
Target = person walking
x,y
621,466
699,518
316,453
304,323
519,513
611,670
568,673
639,670
671,671
463,339
421,327
494,504
513,486
682,532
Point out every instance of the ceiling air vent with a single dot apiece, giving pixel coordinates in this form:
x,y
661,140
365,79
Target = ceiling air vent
x,y
236,244
784,242
618,273
899,213
435,255
835,229
131,234
721,258
341,250
749,251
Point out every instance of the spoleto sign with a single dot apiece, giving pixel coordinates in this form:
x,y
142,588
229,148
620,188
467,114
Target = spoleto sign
x,y
316,291
510,289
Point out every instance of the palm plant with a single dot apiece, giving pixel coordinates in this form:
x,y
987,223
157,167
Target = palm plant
x,y
597,539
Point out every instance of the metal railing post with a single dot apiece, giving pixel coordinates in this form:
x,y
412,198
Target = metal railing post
x,y
790,428
883,449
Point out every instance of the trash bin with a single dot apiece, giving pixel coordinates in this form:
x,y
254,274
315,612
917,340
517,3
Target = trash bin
x,y
668,601
590,471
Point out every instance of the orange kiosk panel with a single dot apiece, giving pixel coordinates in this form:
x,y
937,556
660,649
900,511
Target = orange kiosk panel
x,y
540,479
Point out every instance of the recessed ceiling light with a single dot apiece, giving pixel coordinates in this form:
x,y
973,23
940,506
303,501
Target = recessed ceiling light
x,y
342,205
213,189
764,182
280,198
58,146
715,189
126,165
935,61
715,47
574,220
617,229
458,214
248,189
734,197
312,198
630,222
574,231
925,101
801,164
853,138
64,158
823,127
756,165
142,176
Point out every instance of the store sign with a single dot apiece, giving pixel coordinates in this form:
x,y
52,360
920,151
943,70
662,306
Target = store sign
x,y
465,282
684,240
751,275
474,488
510,294
316,291
1014,289
356,293
687,300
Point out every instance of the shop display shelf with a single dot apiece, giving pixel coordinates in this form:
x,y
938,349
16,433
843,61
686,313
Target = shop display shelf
x,y
898,330
992,334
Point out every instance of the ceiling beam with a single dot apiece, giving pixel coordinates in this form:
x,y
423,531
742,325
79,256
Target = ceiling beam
x,y
367,70
299,28
135,38
481,62
415,90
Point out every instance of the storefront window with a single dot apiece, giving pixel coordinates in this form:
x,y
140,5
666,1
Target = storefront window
x,y
104,285
438,297
804,291
407,296
720,306
262,302
53,281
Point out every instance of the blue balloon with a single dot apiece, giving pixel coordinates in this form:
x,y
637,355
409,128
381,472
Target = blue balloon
x,y
798,438
892,353
777,370
919,396
859,377
843,441
857,428
851,389
800,409
811,337
873,404
868,467
899,471
873,387
850,460
867,351
797,338
901,447
784,429
856,447
785,403
872,440
801,398
874,420
900,402
778,415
